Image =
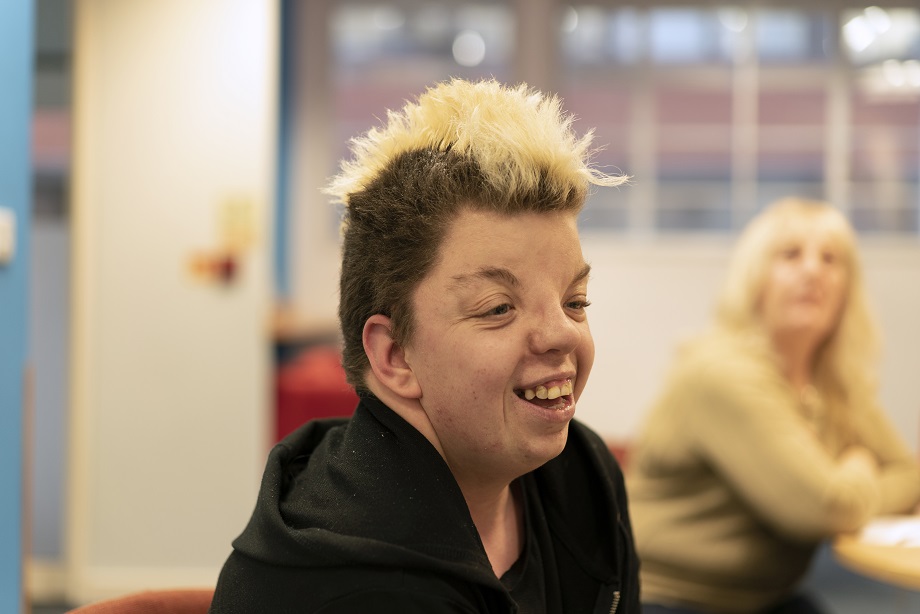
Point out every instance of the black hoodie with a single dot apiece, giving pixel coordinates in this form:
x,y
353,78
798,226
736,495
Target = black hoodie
x,y
363,515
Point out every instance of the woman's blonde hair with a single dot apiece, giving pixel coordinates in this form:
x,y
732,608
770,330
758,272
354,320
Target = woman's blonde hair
x,y
845,362
462,145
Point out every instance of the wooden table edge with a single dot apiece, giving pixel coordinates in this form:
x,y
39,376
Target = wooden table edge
x,y
895,565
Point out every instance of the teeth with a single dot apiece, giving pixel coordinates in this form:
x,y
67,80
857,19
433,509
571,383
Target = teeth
x,y
553,392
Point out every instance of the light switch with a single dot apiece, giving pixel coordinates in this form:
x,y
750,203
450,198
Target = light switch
x,y
7,235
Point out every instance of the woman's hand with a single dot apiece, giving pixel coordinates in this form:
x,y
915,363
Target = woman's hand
x,y
860,457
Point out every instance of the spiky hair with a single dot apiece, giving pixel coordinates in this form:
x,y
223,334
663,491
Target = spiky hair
x,y
518,137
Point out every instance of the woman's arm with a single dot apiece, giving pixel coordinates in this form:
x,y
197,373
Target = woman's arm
x,y
899,470
745,424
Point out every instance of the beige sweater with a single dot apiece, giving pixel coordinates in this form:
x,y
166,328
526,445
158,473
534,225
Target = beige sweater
x,y
736,480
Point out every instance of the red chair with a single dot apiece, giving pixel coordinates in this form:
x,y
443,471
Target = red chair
x,y
621,450
167,601
312,386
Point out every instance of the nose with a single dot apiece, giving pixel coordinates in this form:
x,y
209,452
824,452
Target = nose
x,y
555,331
811,263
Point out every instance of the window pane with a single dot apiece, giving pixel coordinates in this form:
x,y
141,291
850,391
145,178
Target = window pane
x,y
694,152
791,141
694,158
386,54
792,36
593,36
688,36
877,34
884,46
693,204
794,57
596,43
605,106
884,164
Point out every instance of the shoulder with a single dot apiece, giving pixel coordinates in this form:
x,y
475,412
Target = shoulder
x,y
584,438
308,437
587,451
716,380
586,468
721,362
248,585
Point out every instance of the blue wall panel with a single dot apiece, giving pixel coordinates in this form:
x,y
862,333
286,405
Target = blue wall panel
x,y
16,52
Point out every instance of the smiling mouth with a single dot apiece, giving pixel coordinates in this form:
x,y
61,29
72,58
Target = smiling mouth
x,y
553,395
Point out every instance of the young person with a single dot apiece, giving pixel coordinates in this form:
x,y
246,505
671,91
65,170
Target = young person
x,y
462,483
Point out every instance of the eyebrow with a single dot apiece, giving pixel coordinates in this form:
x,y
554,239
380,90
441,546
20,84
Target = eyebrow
x,y
582,274
487,273
503,275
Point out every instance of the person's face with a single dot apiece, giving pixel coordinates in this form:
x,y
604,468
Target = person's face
x,y
500,318
805,288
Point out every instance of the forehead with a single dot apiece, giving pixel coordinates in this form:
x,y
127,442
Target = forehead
x,y
521,242
822,231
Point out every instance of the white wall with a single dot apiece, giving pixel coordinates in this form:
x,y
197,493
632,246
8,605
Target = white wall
x,y
648,295
174,116
645,297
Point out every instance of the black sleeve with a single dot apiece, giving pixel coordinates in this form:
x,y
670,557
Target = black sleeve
x,y
383,601
249,586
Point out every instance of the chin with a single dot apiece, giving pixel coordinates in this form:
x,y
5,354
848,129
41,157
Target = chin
x,y
550,446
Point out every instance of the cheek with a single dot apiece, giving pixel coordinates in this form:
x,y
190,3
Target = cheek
x,y
771,288
585,357
766,303
473,366
783,282
839,296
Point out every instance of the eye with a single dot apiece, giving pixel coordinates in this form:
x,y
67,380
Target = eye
x,y
498,310
578,305
829,257
791,253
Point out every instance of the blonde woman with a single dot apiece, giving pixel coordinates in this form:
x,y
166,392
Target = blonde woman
x,y
767,438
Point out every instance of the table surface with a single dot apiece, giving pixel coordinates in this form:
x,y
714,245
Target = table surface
x,y
897,565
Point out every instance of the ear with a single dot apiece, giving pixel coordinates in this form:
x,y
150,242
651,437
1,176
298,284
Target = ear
x,y
387,358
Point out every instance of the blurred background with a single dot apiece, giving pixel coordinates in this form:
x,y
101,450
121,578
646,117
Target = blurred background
x,y
181,259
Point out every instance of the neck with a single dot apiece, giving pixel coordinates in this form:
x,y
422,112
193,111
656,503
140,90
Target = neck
x,y
498,516
797,356
495,506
